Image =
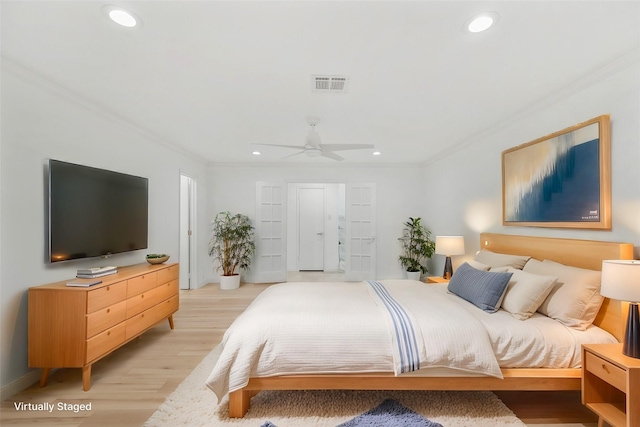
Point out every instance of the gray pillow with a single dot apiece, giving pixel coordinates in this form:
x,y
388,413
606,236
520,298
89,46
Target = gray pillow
x,y
484,289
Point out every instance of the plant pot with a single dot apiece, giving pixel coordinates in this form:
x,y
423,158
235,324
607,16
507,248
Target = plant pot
x,y
230,282
413,275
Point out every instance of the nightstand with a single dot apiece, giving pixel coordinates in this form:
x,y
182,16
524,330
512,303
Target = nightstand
x,y
437,279
611,385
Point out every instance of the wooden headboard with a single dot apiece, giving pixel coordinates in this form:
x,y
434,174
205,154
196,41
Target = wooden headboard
x,y
578,253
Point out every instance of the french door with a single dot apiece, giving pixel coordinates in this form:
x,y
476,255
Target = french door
x,y
360,230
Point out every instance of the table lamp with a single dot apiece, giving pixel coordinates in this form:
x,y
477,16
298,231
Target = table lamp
x,y
621,281
448,246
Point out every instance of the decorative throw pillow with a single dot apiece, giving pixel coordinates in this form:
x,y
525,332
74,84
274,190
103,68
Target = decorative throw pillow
x,y
484,289
575,298
493,259
526,292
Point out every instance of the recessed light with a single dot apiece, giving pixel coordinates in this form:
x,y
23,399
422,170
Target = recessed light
x,y
482,22
256,153
122,16
376,153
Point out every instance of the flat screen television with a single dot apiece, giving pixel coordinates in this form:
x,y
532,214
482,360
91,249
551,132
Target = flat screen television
x,y
94,212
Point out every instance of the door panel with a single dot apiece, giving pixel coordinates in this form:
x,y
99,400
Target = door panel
x,y
311,229
271,248
360,232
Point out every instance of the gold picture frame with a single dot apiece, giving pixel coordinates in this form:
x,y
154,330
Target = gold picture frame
x,y
560,180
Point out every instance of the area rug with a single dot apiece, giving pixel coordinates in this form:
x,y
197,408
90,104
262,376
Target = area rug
x,y
388,413
193,404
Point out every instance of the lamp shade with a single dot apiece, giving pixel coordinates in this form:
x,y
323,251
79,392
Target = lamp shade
x,y
621,280
450,245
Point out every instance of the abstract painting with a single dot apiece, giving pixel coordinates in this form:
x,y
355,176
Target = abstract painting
x,y
560,180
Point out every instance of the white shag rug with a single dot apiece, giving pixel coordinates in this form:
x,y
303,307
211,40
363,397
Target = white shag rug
x,y
193,404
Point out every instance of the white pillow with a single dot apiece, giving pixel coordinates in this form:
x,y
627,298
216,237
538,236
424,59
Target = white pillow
x,y
526,292
493,259
478,265
575,298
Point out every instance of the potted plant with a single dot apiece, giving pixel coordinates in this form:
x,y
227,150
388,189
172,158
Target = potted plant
x,y
231,246
416,245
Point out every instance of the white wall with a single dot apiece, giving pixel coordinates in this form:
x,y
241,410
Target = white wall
x,y
232,187
41,121
465,187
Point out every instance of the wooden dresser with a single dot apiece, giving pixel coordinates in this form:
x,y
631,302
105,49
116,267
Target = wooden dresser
x,y
74,327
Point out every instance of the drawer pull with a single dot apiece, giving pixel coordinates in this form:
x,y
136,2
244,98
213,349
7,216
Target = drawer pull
x,y
108,288
108,310
109,333
142,296
604,367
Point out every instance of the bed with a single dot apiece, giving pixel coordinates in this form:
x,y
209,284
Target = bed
x,y
256,366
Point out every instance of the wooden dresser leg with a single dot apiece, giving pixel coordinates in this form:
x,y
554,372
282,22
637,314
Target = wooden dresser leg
x,y
86,377
239,402
170,319
44,376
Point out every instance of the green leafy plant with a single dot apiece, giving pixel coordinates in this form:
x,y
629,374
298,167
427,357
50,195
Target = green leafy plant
x,y
232,244
416,245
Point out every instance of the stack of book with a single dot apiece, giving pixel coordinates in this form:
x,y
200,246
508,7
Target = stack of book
x,y
92,273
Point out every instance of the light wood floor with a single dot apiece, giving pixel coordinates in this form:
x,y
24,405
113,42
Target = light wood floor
x,y
130,384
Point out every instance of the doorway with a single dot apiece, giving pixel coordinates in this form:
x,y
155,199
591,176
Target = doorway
x,y
315,227
187,224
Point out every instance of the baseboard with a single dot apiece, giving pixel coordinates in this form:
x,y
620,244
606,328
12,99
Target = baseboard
x,y
20,384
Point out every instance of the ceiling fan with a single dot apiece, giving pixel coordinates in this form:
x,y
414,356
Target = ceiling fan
x,y
313,147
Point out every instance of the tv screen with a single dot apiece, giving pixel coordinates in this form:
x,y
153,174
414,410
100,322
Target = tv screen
x,y
94,212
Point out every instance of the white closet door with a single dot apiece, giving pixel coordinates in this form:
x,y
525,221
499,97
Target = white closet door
x,y
271,229
311,229
360,232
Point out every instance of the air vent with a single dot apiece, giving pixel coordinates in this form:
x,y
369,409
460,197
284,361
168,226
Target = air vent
x,y
329,84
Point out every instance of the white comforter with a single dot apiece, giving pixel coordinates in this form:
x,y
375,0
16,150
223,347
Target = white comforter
x,y
306,328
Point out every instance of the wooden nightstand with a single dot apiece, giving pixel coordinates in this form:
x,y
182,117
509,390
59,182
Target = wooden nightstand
x,y
611,385
437,279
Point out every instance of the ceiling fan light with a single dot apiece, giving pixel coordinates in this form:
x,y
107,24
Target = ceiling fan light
x,y
122,16
313,152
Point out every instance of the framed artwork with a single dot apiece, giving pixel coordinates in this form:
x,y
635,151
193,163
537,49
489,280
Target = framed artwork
x,y
560,180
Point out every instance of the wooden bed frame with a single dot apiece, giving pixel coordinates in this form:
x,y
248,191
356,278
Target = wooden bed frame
x,y
580,253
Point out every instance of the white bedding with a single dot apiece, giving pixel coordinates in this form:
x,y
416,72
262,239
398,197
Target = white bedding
x,y
327,327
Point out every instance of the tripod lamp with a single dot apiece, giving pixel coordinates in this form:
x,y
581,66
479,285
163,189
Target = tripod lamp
x,y
621,281
448,246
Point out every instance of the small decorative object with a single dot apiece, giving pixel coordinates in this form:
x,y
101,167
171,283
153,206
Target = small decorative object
x,y
416,245
448,246
621,281
157,258
231,246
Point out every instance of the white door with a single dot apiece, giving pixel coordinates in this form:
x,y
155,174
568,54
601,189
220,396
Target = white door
x,y
311,229
271,242
360,230
187,223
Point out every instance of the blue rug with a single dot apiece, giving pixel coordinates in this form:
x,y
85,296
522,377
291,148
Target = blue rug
x,y
388,413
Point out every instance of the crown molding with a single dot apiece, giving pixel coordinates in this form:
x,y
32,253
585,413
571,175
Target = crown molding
x,y
627,60
90,105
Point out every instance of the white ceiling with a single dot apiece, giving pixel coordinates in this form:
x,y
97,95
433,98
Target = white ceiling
x,y
214,77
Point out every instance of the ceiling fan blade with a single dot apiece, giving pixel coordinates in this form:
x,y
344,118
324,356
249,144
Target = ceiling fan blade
x,y
297,147
343,147
294,154
331,155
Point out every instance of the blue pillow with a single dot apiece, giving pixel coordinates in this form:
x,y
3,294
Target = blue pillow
x,y
484,289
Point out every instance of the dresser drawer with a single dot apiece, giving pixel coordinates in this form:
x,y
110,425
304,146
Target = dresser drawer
x,y
168,274
101,320
138,323
105,342
609,372
167,290
166,308
141,302
140,284
100,298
